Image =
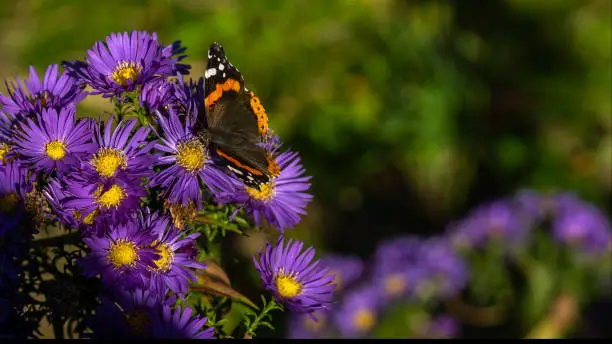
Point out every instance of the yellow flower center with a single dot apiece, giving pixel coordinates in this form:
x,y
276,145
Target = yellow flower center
x,y
126,71
264,194
123,253
42,97
107,160
55,150
9,203
287,285
191,155
164,263
364,320
111,197
91,217
4,148
137,320
395,285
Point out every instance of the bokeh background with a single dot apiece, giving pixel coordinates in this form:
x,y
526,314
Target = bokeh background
x,y
406,113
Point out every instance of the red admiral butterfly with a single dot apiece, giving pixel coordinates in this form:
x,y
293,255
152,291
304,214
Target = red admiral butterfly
x,y
237,122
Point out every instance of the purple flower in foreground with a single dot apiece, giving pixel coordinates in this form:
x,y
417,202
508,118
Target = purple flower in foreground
x,y
121,153
56,196
346,269
281,201
124,255
29,97
14,185
185,163
302,285
55,141
176,96
174,269
583,227
127,314
181,323
125,62
94,203
358,312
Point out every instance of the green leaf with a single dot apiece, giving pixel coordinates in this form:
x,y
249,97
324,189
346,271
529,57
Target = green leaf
x,y
541,285
209,284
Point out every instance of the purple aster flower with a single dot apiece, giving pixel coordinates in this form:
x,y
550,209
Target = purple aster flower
x,y
302,285
178,96
56,195
126,62
302,326
93,204
122,256
173,270
397,269
582,226
497,221
282,201
7,123
14,185
445,272
346,269
55,141
358,312
181,323
185,164
29,97
120,153
127,314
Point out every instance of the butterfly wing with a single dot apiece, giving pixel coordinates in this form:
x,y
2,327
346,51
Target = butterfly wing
x,y
236,121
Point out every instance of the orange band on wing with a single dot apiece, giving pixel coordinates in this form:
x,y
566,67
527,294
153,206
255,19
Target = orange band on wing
x,y
237,163
229,84
273,167
260,112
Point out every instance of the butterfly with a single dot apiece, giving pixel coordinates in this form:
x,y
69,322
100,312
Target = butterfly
x,y
236,122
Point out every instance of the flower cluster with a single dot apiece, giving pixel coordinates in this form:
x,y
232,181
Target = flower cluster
x,y
416,273
126,185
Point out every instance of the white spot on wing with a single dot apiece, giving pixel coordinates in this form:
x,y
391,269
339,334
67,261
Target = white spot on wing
x,y
223,75
221,66
210,72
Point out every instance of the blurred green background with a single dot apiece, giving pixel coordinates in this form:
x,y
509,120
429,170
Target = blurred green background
x,y
406,113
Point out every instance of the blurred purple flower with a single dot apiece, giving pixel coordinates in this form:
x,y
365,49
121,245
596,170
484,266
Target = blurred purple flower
x,y
358,312
493,222
127,61
397,269
582,226
297,281
30,97
302,326
346,269
446,273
